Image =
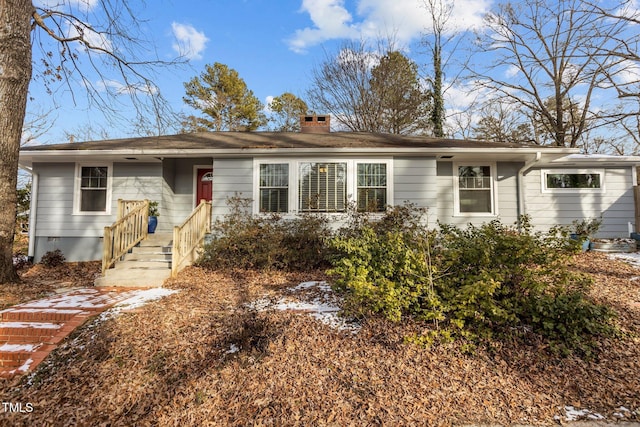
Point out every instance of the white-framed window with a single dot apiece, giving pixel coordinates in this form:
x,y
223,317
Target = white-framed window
x,y
274,187
92,192
321,185
372,187
474,189
572,180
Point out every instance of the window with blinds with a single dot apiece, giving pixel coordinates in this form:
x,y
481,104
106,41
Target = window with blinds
x,y
274,187
323,187
475,189
372,187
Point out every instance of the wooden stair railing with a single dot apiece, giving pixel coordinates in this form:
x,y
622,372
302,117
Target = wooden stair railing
x,y
130,228
189,236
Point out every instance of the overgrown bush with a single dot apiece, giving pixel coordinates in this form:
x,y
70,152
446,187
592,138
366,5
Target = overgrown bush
x,y
52,259
382,266
243,240
475,282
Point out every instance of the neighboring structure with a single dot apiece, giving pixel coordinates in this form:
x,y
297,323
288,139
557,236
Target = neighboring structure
x,y
76,185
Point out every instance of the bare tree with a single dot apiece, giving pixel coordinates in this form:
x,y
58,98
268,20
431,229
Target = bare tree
x,y
547,58
435,39
71,41
501,123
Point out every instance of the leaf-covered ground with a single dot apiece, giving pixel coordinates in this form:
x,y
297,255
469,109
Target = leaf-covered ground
x,y
203,357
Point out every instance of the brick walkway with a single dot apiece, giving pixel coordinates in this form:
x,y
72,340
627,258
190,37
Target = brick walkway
x,y
30,331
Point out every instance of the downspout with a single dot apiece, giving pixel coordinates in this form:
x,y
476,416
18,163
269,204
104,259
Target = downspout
x,y
521,187
33,209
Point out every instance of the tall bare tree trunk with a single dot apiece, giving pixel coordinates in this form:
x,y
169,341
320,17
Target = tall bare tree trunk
x,y
15,74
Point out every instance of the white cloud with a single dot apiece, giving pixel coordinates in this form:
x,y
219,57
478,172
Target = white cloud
x,y
190,42
512,71
629,72
91,37
401,20
122,89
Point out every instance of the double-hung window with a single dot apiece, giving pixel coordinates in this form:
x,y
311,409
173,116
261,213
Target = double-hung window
x,y
372,187
274,187
474,187
322,187
93,189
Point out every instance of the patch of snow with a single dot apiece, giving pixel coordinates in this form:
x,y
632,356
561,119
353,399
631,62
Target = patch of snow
x,y
42,310
137,299
25,366
323,307
35,325
232,349
632,258
18,347
573,414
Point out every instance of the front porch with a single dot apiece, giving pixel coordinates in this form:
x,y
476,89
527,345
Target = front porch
x,y
134,257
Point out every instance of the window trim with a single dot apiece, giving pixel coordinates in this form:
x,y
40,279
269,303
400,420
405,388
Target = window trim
x,y
294,174
77,188
493,190
569,171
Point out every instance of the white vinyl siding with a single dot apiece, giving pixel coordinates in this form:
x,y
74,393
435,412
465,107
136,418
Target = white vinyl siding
x,y
615,205
231,177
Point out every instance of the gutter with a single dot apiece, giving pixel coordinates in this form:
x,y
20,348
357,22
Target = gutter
x,y
521,187
33,209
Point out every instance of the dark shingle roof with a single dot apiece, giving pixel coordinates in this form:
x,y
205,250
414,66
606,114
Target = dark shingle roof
x,y
266,140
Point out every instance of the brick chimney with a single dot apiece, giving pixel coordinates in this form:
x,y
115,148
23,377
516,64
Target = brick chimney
x,y
315,123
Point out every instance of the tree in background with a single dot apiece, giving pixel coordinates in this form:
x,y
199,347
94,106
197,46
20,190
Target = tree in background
x,y
225,101
287,109
104,39
435,39
404,105
366,91
499,123
550,51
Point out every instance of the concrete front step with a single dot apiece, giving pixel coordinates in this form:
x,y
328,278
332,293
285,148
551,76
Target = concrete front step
x,y
143,263
147,265
134,277
147,256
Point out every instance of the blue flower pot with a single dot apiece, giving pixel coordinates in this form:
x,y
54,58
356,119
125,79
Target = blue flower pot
x,y
153,224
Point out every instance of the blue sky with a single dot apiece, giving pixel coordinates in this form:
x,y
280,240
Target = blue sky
x,y
273,45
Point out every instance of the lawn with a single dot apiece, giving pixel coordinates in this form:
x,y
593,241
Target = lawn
x,y
210,355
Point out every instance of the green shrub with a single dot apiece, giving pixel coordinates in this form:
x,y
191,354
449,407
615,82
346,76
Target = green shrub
x,y
475,282
384,266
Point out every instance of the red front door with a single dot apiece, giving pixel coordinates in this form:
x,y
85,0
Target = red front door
x,y
204,185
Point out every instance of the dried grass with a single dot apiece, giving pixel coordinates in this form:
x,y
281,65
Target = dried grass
x,y
172,363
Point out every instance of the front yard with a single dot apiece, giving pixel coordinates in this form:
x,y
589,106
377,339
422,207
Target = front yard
x,y
208,356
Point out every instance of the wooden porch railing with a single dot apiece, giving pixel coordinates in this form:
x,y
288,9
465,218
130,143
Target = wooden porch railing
x,y
130,228
189,236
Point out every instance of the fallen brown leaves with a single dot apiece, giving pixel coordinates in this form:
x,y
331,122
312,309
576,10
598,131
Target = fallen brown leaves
x,y
174,362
